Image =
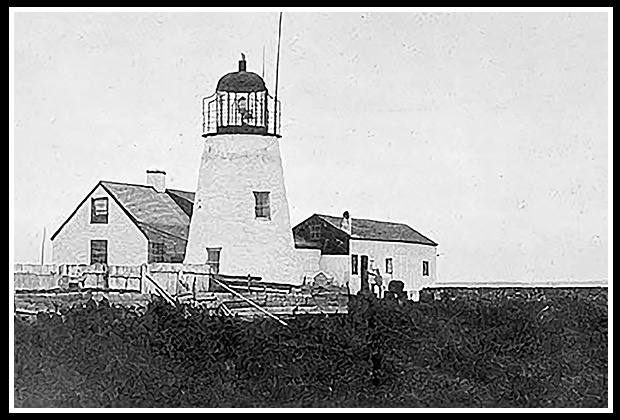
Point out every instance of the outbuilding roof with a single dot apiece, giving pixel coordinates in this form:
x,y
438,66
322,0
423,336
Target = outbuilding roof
x,y
375,230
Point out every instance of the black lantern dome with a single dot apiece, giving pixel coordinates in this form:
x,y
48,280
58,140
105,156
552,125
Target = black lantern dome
x,y
241,81
241,105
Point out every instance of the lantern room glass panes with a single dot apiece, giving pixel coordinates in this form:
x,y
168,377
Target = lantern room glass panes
x,y
240,113
240,109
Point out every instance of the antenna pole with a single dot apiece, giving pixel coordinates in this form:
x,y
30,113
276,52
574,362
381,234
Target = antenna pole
x,y
43,246
275,105
263,75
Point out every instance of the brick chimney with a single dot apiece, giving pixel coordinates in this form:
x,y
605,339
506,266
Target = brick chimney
x,y
345,224
156,179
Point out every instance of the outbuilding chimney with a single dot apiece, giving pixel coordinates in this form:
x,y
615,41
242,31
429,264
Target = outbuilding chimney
x,y
156,179
345,224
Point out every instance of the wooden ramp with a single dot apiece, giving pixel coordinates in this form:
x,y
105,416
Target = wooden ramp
x,y
276,304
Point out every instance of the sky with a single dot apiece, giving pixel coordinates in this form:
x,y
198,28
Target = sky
x,y
487,132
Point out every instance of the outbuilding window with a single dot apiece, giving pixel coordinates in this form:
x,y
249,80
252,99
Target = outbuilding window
x,y
261,207
99,210
425,268
315,232
389,266
354,264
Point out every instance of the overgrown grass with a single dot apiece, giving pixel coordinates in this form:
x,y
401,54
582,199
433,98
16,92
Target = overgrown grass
x,y
489,348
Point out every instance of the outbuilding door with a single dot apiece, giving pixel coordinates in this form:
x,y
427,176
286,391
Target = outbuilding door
x,y
364,287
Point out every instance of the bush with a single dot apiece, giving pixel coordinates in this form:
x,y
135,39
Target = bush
x,y
488,348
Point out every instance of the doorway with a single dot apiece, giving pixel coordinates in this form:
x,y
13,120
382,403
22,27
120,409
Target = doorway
x,y
213,259
364,287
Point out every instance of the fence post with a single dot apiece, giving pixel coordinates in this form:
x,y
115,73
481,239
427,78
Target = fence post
x,y
179,278
143,268
106,276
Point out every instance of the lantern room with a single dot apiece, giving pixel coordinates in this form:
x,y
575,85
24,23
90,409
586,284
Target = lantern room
x,y
241,104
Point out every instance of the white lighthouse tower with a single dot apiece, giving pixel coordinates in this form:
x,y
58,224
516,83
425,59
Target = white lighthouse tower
x,y
240,223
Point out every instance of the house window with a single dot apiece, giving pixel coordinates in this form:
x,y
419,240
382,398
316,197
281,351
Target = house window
x,y
98,251
315,232
354,264
157,252
425,268
99,210
262,205
213,259
389,267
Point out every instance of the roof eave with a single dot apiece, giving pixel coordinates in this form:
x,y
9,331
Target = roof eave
x,y
359,238
74,212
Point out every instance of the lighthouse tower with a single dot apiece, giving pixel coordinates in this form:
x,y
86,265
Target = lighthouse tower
x,y
240,223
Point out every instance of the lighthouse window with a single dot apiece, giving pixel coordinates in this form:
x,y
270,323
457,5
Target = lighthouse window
x,y
261,207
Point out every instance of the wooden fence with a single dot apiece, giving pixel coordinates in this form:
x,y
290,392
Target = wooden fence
x,y
174,279
45,288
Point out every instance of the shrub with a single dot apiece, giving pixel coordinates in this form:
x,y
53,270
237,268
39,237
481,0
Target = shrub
x,y
488,348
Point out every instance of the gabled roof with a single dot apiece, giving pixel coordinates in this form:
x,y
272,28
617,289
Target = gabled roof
x,y
156,214
374,230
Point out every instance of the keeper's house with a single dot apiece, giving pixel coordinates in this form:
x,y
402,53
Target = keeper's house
x,y
351,248
126,224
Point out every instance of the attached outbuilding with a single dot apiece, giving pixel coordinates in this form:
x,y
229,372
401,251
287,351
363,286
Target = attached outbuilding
x,y
369,254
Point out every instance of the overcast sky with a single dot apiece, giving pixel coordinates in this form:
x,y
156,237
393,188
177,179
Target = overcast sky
x,y
486,132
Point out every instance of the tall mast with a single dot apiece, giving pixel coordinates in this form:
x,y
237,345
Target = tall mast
x,y
275,105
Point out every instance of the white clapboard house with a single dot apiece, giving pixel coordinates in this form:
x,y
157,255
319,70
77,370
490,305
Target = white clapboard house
x,y
126,224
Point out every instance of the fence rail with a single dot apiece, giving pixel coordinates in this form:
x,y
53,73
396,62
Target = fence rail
x,y
174,279
171,279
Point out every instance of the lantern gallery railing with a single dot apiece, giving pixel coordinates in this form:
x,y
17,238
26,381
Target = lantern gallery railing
x,y
240,113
